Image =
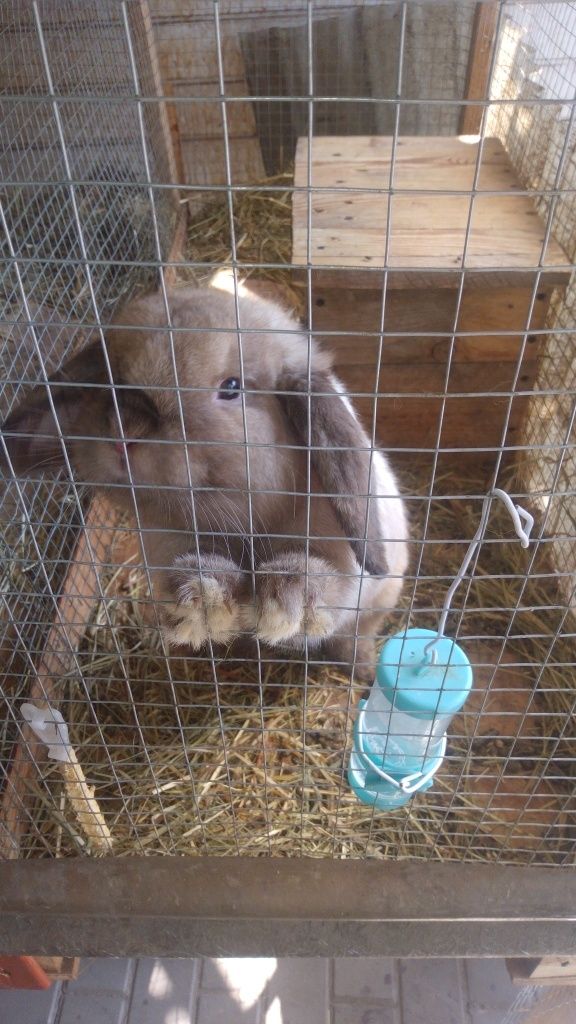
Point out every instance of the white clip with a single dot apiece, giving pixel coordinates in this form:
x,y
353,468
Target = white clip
x,y
50,727
408,783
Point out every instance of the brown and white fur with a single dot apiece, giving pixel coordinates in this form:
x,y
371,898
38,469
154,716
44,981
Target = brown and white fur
x,y
196,518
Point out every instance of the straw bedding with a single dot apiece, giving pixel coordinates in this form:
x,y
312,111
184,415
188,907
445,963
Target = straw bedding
x,y
193,762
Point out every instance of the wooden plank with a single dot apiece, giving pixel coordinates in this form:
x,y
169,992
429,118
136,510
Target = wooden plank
x,y
431,163
247,15
189,57
176,252
80,591
475,423
162,127
359,279
273,906
435,44
477,83
423,379
427,230
407,417
150,80
546,970
422,311
60,968
198,121
189,61
350,350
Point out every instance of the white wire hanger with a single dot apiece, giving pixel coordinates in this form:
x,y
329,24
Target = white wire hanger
x,y
523,523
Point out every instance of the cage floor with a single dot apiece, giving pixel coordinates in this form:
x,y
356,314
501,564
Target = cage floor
x,y
189,758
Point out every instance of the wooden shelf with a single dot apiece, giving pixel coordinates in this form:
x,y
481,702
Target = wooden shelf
x,y
427,230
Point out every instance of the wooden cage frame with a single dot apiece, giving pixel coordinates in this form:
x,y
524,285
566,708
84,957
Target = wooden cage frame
x,y
254,907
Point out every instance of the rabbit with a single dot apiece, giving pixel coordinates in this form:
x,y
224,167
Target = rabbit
x,y
233,545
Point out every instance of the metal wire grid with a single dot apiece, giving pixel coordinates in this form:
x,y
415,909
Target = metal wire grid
x,y
47,50
540,42
537,1001
349,62
521,814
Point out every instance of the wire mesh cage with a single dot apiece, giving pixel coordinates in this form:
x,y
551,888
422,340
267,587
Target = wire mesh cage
x,y
394,182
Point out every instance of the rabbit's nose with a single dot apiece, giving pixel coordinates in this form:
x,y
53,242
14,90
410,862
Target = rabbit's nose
x,y
121,447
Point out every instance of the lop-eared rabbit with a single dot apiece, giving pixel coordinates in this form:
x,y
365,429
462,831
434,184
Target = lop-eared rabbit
x,y
278,539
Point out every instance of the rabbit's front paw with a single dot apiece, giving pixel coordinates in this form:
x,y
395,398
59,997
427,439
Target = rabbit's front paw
x,y
206,605
289,602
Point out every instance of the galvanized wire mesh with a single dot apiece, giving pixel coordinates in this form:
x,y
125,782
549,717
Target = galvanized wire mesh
x,y
196,753
537,63
349,62
76,228
537,1003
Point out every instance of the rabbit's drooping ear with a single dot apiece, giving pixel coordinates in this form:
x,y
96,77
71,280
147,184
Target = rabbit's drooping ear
x,y
30,431
323,417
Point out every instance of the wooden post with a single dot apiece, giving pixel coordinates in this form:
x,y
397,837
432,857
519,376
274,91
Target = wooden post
x,y
84,804
186,45
546,970
162,126
80,592
477,83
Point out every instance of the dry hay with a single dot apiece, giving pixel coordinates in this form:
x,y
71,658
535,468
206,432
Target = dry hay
x,y
226,763
262,234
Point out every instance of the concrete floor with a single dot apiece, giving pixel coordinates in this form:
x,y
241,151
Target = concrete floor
x,y
270,991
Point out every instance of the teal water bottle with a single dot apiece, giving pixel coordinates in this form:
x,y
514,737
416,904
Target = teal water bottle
x,y
400,731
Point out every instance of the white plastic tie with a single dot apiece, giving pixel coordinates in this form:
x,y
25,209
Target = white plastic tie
x,y
409,783
49,726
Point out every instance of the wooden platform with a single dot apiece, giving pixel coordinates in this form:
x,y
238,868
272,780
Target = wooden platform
x,y
452,370
427,227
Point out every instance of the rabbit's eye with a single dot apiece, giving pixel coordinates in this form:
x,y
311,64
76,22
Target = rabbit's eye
x,y
229,388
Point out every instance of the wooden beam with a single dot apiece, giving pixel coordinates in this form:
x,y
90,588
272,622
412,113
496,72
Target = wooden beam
x,y
162,127
80,592
155,114
546,970
60,968
188,55
273,906
477,83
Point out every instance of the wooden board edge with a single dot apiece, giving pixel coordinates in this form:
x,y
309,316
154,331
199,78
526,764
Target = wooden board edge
x,y
80,592
477,79
141,24
546,970
351,277
60,968
176,254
